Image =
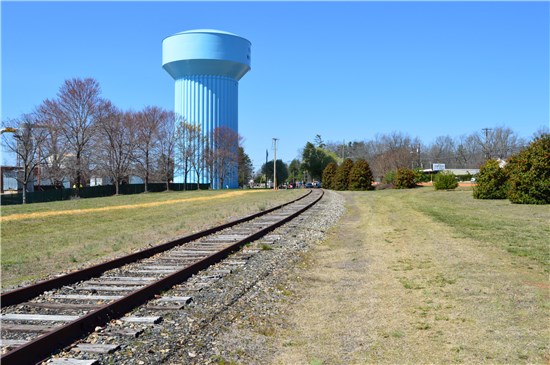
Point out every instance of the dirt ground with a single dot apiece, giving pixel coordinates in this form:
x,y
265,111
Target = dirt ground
x,y
393,286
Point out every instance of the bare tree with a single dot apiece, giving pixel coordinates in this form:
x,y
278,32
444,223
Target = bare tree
x,y
393,151
542,131
462,155
505,142
189,143
375,149
395,141
26,142
442,150
209,159
54,149
200,152
498,142
76,112
165,150
116,144
225,149
149,123
470,151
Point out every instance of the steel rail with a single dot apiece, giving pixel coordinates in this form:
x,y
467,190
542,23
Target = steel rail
x,y
44,346
23,294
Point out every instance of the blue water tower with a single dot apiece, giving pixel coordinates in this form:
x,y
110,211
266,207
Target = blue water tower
x,y
207,65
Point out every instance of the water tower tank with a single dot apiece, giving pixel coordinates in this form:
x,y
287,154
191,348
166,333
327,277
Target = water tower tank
x,y
207,65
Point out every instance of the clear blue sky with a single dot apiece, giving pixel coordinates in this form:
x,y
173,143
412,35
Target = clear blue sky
x,y
344,70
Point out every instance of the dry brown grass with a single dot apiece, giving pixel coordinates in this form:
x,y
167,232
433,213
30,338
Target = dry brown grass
x,y
70,212
393,285
44,239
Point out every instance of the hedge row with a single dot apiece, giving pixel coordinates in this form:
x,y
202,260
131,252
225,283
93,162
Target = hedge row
x,y
92,192
348,176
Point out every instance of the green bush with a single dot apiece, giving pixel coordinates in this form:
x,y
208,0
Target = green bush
x,y
342,175
467,177
360,176
491,182
389,178
329,173
405,179
529,173
420,176
445,181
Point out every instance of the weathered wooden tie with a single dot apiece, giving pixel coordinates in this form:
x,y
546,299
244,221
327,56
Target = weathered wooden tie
x,y
97,348
69,361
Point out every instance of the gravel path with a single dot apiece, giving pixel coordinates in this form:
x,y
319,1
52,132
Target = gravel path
x,y
233,320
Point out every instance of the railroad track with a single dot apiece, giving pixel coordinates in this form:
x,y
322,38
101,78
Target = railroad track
x,y
41,319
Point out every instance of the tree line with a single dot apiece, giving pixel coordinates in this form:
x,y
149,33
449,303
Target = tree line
x,y
387,153
523,178
79,134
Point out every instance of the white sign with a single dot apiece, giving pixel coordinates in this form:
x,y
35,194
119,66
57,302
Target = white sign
x,y
438,167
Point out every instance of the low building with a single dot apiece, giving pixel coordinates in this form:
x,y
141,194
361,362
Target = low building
x,y
462,172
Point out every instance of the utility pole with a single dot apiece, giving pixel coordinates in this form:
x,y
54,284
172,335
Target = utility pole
x,y
275,163
266,155
486,130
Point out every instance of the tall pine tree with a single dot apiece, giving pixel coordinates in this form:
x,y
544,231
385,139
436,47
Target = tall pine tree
x,y
342,175
360,176
329,174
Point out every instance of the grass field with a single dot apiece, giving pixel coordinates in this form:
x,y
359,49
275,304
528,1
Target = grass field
x,y
422,276
48,238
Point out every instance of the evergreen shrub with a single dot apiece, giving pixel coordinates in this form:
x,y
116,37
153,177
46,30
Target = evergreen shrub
x,y
360,176
389,178
420,176
329,174
491,182
342,175
529,173
405,179
445,181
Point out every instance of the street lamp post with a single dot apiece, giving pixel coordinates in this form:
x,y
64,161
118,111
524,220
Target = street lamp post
x,y
8,130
